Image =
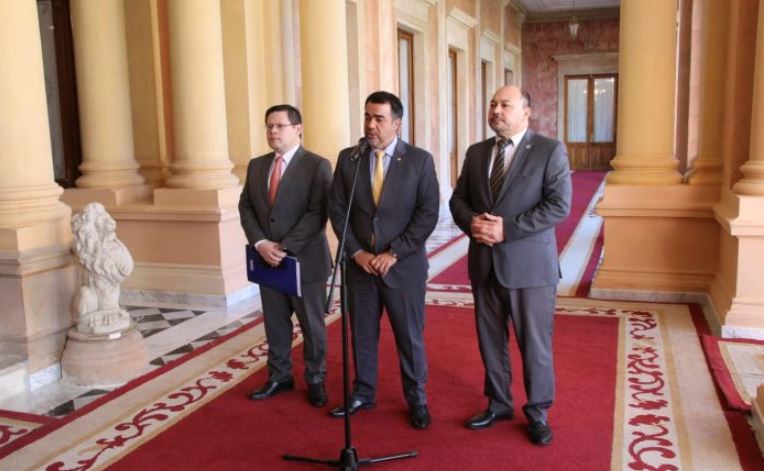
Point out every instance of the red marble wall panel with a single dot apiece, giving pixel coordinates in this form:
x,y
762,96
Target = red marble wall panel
x,y
541,41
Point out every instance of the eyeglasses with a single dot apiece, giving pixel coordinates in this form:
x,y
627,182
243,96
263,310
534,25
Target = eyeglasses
x,y
277,127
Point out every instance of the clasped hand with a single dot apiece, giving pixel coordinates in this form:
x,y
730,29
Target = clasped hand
x,y
487,229
271,253
372,264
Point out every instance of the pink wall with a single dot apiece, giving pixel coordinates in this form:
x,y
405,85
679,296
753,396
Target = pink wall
x,y
541,41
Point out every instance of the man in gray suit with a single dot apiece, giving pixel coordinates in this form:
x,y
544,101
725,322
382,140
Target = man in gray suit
x,y
283,208
394,210
513,190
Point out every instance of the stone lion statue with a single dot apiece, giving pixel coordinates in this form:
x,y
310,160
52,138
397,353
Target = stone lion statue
x,y
106,262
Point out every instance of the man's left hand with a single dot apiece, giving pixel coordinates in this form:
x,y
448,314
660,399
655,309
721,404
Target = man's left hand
x,y
494,229
383,262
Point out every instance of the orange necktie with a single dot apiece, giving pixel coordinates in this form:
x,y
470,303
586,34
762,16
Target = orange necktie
x,y
379,176
275,178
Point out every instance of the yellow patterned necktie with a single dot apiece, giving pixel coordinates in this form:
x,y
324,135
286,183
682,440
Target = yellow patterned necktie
x,y
379,176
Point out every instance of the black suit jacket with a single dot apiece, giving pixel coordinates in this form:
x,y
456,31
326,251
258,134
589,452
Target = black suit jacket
x,y
535,197
406,216
298,217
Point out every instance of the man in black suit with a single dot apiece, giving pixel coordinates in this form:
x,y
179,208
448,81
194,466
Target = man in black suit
x,y
283,208
513,190
394,210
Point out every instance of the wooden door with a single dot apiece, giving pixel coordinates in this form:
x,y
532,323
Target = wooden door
x,y
590,120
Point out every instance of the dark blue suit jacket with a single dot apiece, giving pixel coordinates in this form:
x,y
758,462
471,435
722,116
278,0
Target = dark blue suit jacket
x,y
406,216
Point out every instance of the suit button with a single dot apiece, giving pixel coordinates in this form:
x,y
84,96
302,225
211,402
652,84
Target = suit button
x,y
273,219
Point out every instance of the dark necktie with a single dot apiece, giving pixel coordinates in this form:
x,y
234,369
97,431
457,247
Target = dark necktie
x,y
497,171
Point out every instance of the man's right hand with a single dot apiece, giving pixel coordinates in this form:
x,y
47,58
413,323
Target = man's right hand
x,y
363,259
271,252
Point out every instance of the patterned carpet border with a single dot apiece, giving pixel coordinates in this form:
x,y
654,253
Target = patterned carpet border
x,y
656,424
737,366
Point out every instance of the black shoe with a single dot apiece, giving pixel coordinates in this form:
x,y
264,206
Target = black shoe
x,y
540,433
271,388
485,419
420,416
355,406
317,394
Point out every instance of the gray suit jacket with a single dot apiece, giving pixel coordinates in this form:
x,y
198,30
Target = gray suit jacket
x,y
535,197
298,217
406,216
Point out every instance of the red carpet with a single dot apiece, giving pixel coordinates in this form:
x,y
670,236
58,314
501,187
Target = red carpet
x,y
721,370
585,184
233,433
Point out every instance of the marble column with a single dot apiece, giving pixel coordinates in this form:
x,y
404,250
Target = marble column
x,y
661,238
246,99
646,94
103,90
707,167
37,276
736,292
326,99
195,255
198,97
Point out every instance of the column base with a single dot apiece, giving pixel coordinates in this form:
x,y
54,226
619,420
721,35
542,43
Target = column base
x,y
658,239
103,360
38,279
168,297
736,291
77,198
188,248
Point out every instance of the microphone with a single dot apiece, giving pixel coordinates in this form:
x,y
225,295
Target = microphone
x,y
360,148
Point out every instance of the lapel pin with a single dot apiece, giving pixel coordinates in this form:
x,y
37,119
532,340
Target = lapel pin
x,y
398,159
527,146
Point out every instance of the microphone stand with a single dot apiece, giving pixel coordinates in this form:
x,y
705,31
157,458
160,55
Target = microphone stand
x,y
348,460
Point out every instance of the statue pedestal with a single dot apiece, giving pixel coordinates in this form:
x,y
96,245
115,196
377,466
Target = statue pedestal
x,y
103,359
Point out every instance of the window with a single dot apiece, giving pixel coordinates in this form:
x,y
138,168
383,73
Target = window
x,y
483,97
590,114
406,83
60,89
452,122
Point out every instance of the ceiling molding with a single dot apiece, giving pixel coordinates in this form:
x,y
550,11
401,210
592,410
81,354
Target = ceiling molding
x,y
565,15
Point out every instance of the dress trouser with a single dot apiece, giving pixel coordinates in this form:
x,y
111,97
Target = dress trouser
x,y
405,309
277,311
531,312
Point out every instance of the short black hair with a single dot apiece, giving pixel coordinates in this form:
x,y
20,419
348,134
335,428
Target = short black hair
x,y
293,114
381,97
526,98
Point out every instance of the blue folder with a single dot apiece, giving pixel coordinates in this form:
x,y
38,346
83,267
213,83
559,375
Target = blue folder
x,y
285,277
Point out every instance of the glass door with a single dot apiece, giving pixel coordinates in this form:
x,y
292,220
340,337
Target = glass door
x,y
590,120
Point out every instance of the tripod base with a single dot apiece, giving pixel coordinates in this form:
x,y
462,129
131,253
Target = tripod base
x,y
349,459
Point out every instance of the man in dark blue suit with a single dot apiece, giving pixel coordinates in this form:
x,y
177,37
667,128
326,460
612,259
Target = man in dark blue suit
x,y
394,210
513,190
283,209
